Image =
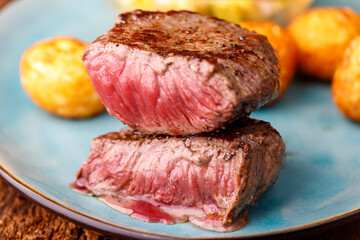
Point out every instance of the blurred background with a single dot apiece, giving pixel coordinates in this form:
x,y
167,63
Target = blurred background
x,y
280,11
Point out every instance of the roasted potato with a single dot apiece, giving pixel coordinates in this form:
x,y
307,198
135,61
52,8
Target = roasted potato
x,y
54,76
322,34
285,46
346,82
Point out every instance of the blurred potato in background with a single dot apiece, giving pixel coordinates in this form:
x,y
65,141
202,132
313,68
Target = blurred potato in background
x,y
280,11
322,34
235,11
346,82
54,76
285,46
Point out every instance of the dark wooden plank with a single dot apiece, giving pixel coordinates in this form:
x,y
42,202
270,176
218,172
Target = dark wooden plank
x,y
22,219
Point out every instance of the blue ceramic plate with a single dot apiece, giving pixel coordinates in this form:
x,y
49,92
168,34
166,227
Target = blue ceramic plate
x,y
40,153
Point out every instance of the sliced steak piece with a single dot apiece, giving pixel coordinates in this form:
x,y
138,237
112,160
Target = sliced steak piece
x,y
180,72
210,179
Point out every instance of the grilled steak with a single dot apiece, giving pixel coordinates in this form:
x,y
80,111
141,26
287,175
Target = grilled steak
x,y
180,72
210,179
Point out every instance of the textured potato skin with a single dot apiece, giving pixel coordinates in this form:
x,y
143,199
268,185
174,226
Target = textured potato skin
x,y
282,41
54,76
346,82
322,34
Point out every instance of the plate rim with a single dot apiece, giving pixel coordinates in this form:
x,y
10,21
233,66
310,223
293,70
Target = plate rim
x,y
117,230
111,229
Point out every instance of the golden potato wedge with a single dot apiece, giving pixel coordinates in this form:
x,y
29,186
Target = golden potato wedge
x,y
346,82
54,76
283,43
322,34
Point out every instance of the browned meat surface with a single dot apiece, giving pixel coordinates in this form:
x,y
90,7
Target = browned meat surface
x,y
210,179
180,72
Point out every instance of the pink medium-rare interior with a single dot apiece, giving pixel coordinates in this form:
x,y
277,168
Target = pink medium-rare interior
x,y
199,188
150,96
171,177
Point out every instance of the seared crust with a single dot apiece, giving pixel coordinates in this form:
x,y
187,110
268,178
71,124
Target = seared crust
x,y
197,73
195,35
246,57
243,130
248,153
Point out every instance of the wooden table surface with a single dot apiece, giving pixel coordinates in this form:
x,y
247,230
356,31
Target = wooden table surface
x,y
21,218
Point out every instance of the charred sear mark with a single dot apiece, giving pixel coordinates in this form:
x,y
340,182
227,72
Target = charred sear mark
x,y
121,19
146,30
231,57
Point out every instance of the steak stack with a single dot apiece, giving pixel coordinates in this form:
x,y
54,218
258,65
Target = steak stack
x,y
185,84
